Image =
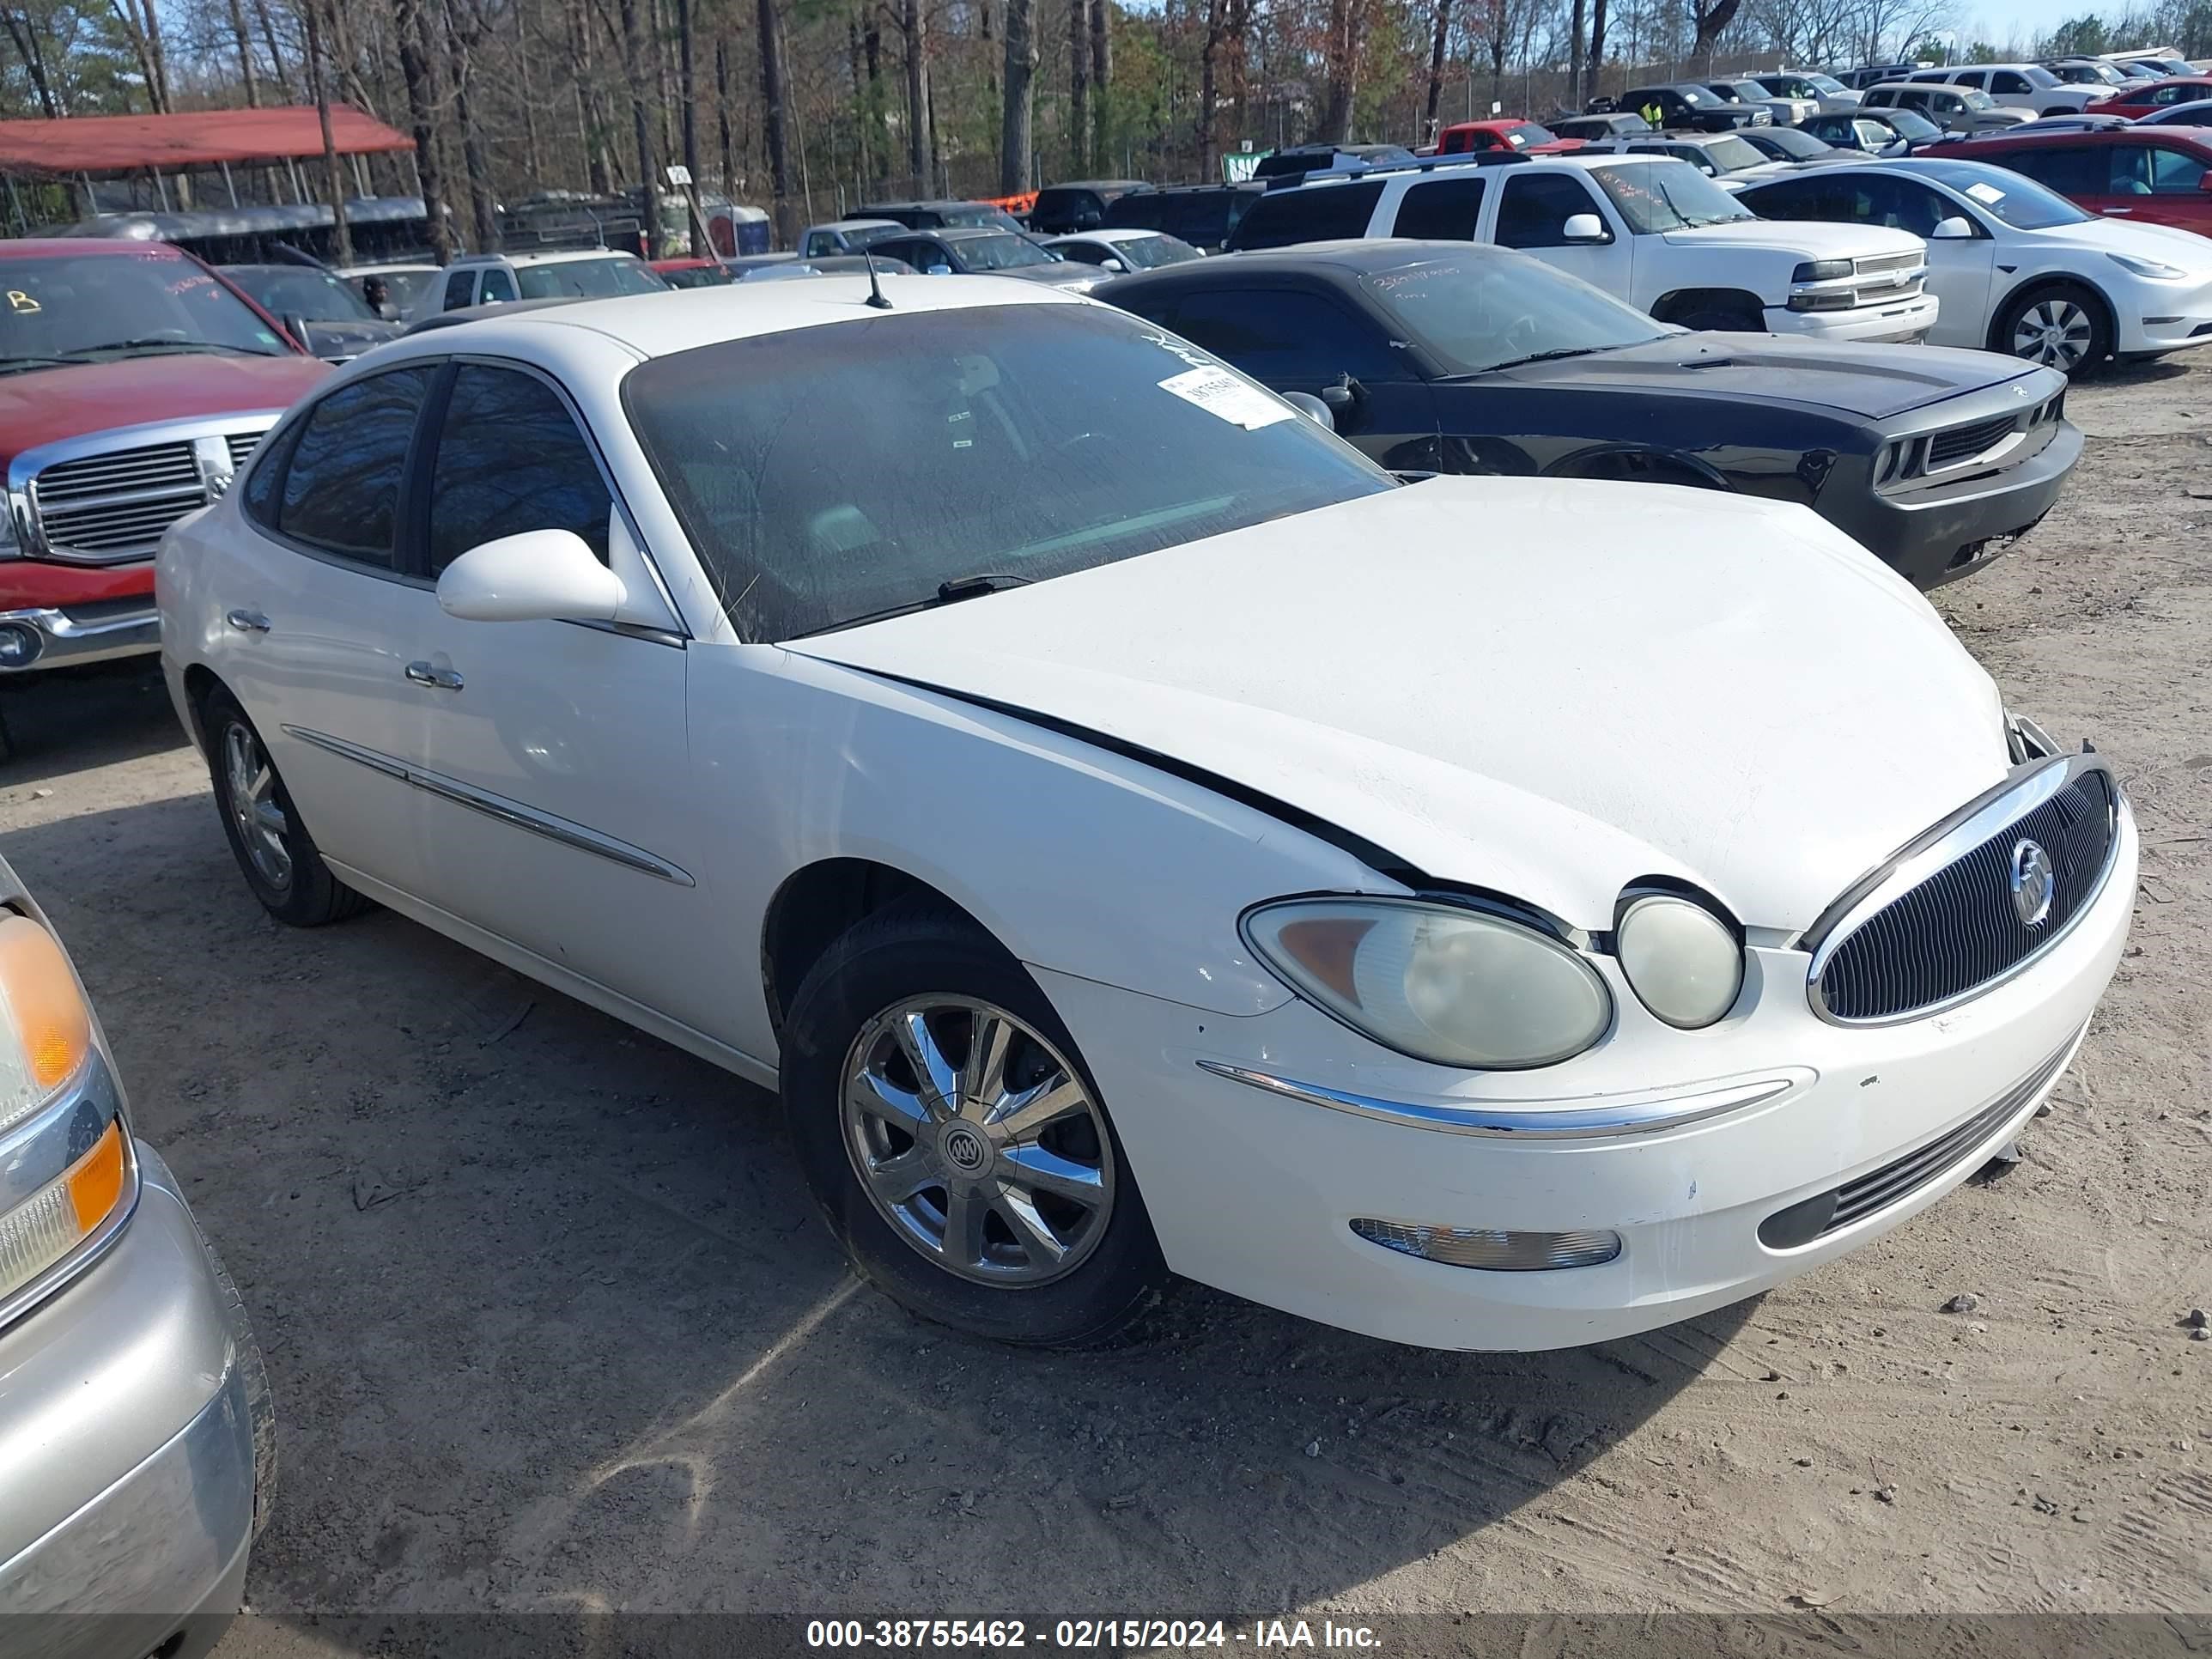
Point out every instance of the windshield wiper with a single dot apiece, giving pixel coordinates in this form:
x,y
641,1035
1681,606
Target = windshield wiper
x,y
158,343
948,592
1553,355
16,365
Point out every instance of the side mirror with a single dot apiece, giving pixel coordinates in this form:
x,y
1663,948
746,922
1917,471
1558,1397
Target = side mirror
x,y
1312,407
1584,228
297,328
540,575
2205,182
1953,229
1115,265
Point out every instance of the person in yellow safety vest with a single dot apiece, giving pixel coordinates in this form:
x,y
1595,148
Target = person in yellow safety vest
x,y
1654,115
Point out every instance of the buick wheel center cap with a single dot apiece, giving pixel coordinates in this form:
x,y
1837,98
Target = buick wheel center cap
x,y
964,1149
2033,885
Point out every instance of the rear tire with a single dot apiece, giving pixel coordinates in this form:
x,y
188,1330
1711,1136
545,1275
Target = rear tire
x,y
1023,1227
275,853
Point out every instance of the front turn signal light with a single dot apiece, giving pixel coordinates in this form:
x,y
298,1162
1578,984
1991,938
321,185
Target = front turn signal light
x,y
46,1029
61,1215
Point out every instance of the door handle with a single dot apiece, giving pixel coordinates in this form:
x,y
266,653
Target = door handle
x,y
248,621
2119,209
443,679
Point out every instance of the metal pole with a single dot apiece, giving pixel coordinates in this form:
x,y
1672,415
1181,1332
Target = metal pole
x,y
228,184
161,188
22,219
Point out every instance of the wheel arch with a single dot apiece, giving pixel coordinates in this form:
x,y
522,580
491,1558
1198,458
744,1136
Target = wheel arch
x,y
1700,473
817,904
200,682
2027,286
1667,307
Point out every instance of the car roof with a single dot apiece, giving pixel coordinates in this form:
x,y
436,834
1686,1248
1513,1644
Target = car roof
x,y
1097,184
1360,256
661,324
1108,234
551,257
30,246
957,233
853,224
937,202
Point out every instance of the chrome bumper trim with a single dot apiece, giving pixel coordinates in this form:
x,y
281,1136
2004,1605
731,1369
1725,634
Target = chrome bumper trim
x,y
1533,1120
63,638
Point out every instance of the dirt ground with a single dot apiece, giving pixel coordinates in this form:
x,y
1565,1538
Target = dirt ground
x,y
552,1325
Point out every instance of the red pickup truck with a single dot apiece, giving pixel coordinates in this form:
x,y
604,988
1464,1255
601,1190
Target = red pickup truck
x,y
133,380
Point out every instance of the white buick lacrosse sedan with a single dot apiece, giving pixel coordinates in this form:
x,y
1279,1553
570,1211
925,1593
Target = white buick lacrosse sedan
x,y
1137,835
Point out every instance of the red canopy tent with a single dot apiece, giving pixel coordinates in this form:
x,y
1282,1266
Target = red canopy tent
x,y
94,145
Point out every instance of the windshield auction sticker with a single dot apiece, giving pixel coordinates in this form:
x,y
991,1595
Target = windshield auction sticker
x,y
1219,393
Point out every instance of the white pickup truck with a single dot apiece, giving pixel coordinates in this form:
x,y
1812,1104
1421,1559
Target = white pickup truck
x,y
1653,231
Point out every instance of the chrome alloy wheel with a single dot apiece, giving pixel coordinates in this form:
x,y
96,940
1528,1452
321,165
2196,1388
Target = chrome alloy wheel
x,y
977,1140
2054,332
262,825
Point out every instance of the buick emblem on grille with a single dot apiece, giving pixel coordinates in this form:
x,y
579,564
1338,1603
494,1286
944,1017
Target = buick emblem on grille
x,y
2033,883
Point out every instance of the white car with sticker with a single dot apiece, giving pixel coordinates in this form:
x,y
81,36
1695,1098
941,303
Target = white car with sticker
x,y
1137,835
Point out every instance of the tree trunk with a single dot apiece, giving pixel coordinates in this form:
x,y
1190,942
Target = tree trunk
x,y
275,56
1596,48
633,50
687,86
20,31
1575,23
590,122
722,113
1015,145
920,151
532,160
333,175
1436,68
1712,21
1215,24
774,121
1346,33
414,68
460,48
246,71
871,50
1078,86
1102,82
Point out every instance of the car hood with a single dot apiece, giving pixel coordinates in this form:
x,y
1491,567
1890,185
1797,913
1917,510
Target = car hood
x,y
2167,244
1067,273
1545,688
42,405
348,338
1812,238
1869,381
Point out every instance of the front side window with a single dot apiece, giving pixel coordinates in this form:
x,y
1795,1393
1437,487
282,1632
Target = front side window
x,y
341,488
1535,210
510,459
2139,170
827,474
2008,81
1657,197
1479,310
1440,209
99,307
1322,214
589,279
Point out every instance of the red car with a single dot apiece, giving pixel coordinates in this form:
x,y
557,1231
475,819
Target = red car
x,y
2151,176
1507,133
133,382
2141,98
692,273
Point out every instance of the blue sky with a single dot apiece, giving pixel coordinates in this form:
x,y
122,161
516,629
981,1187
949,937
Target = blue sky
x,y
2027,18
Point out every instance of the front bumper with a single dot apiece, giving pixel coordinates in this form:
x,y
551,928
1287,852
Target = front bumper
x,y
1255,1192
126,1450
1936,535
2164,316
52,637
1906,320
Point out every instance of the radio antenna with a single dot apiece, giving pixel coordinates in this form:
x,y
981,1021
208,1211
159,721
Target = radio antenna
x,y
875,301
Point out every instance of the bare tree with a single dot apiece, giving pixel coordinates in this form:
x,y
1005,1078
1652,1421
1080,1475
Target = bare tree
x,y
245,72
1711,18
333,175
921,130
1078,86
772,118
1438,41
410,24
687,87
1348,39
1018,106
1102,80
634,71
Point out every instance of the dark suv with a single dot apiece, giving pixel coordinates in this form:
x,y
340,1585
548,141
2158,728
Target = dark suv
x,y
1684,107
1062,209
1205,216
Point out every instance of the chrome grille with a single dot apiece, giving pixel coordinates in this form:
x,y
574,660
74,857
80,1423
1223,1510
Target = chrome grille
x,y
1962,443
1957,930
112,505
1884,262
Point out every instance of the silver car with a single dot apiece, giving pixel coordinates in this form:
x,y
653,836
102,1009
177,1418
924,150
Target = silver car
x,y
137,1447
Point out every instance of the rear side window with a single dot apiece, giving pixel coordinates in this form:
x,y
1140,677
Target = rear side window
x,y
509,460
1535,208
1285,218
341,489
1440,209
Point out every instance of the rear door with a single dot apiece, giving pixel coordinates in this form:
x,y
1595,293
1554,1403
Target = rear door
x,y
2081,172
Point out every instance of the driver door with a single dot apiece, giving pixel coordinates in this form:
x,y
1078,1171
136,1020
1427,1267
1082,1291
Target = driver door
x,y
1532,212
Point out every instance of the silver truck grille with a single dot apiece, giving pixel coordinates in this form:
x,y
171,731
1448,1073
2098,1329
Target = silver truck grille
x,y
108,506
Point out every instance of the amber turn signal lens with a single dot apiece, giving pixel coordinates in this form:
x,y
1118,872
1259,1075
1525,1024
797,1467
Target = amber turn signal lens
x,y
52,1026
95,1181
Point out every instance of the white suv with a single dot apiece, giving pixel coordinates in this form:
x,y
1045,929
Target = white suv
x,y
1654,231
499,278
2021,86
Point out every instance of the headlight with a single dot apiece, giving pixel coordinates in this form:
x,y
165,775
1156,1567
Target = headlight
x,y
46,1029
2150,267
1682,961
1822,270
1458,987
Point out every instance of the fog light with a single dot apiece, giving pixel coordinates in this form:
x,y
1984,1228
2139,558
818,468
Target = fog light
x,y
1490,1249
19,646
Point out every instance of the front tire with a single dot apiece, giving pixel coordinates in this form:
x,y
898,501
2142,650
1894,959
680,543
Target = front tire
x,y
955,1141
2061,325
275,853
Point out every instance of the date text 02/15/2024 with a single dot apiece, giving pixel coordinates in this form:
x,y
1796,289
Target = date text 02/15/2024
x,y
1083,1635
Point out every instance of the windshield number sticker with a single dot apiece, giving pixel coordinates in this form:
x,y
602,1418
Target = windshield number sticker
x,y
1218,392
22,303
1987,195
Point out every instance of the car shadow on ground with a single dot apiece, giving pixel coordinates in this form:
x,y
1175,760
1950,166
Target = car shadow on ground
x,y
553,1325
73,718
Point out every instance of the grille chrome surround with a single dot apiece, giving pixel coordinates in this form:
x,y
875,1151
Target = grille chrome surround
x,y
107,497
1965,443
1880,264
1934,926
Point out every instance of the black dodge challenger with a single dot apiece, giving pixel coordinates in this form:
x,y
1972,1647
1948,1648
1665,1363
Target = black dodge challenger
x,y
1458,358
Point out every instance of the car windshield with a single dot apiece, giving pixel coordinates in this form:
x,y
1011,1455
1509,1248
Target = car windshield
x,y
1477,312
1529,133
1798,146
1977,98
2017,200
979,216
1733,155
288,291
1825,83
1666,195
829,474
714,275
1913,125
95,308
404,287
587,279
1698,97
1148,252
998,252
